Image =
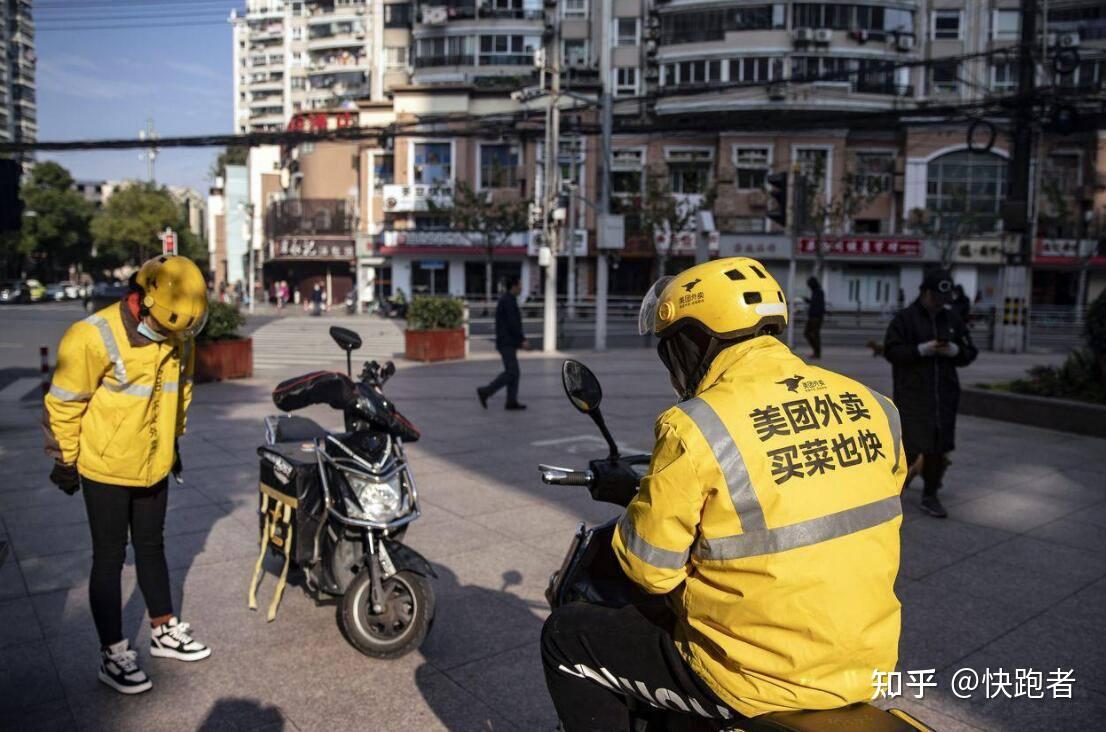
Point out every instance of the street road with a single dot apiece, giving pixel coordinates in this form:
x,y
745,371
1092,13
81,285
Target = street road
x,y
1016,578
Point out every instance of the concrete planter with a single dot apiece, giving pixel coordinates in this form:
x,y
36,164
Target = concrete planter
x,y
220,360
1065,415
435,345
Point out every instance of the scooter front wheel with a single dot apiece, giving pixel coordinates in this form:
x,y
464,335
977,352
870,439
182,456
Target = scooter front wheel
x,y
400,627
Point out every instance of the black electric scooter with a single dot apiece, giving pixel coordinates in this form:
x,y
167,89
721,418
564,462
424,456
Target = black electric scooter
x,y
591,573
351,497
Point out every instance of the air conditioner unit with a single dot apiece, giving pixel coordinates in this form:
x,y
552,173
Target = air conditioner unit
x,y
436,15
802,35
905,43
823,35
1067,40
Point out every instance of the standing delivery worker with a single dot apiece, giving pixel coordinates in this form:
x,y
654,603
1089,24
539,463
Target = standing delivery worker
x,y
115,409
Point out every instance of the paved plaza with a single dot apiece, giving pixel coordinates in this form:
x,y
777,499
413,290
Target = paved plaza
x,y
1016,578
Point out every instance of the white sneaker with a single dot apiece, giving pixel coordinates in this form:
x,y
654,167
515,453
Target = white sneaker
x,y
119,670
171,640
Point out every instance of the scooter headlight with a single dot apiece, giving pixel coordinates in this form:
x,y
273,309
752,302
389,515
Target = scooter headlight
x,y
373,499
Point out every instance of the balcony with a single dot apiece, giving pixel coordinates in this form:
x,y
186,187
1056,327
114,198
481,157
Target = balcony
x,y
439,13
423,62
407,199
309,217
447,238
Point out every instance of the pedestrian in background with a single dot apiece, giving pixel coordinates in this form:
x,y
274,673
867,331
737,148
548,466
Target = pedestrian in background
x,y
116,406
816,312
926,343
508,339
318,297
961,305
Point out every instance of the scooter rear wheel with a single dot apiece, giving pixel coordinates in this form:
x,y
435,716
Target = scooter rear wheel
x,y
403,624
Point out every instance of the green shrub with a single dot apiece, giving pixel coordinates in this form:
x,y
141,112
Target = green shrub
x,y
427,312
1095,325
223,322
1078,378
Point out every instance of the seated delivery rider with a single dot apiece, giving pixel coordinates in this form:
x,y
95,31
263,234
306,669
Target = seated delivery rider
x,y
770,516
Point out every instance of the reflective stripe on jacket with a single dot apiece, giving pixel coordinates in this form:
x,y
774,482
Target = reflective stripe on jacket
x,y
117,401
773,499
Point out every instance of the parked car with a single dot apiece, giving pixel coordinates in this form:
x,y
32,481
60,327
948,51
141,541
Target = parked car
x,y
72,289
55,292
15,291
103,294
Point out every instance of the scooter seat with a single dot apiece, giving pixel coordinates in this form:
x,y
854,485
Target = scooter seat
x,y
291,428
854,718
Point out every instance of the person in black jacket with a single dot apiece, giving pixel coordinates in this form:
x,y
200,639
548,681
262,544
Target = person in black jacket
x,y
508,339
816,311
925,343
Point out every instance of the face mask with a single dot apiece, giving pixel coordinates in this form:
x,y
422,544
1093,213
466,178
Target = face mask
x,y
150,333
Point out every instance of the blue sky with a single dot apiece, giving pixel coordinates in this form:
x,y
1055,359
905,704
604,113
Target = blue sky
x,y
105,83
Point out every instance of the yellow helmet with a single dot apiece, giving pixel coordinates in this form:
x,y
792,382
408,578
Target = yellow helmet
x,y
175,294
728,298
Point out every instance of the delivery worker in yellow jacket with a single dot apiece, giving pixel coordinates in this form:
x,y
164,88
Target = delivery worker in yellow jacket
x,y
114,411
770,517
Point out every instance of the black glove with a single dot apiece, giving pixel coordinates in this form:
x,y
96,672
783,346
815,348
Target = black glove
x,y
66,477
177,466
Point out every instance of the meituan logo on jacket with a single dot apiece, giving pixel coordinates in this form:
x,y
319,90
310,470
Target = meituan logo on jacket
x,y
792,383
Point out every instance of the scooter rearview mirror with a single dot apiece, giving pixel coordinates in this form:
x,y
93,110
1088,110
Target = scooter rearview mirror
x,y
581,386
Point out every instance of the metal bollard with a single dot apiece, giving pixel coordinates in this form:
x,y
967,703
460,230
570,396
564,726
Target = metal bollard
x,y
44,368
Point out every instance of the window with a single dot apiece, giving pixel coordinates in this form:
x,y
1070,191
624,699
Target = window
x,y
814,164
627,166
383,169
498,166
695,72
397,16
297,33
964,191
751,68
1004,77
575,53
1064,170
433,163
752,164
395,57
1005,25
747,224
625,32
712,25
575,8
507,50
944,77
689,171
625,82
946,25
874,170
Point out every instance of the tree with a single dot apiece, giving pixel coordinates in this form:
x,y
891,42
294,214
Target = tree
x,y
822,216
493,221
944,228
229,156
665,214
126,229
56,217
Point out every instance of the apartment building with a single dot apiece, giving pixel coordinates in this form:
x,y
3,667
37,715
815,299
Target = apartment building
x,y
18,110
713,95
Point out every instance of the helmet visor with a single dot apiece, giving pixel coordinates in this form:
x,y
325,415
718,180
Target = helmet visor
x,y
194,330
647,315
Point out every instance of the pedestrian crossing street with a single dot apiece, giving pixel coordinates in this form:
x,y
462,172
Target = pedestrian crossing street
x,y
303,343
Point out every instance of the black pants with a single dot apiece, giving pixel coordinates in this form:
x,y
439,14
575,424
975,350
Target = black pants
x,y
112,511
933,470
509,377
813,333
595,657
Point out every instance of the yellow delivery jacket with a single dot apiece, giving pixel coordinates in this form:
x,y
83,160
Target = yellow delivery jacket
x,y
117,400
772,510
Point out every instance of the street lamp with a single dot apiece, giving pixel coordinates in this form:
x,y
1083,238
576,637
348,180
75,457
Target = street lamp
x,y
247,234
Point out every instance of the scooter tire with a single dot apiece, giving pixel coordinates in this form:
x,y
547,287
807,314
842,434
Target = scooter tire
x,y
411,604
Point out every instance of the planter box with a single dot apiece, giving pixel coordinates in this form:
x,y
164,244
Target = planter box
x,y
219,360
435,345
1065,415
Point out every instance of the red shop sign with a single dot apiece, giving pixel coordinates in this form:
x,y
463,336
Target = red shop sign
x,y
864,247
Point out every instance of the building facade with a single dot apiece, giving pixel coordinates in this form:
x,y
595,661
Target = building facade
x,y
710,98
18,107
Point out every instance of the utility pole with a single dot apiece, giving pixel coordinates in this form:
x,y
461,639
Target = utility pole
x,y
149,154
570,239
1017,276
605,121
552,181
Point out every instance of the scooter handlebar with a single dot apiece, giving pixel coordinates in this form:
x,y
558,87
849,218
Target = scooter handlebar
x,y
552,475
